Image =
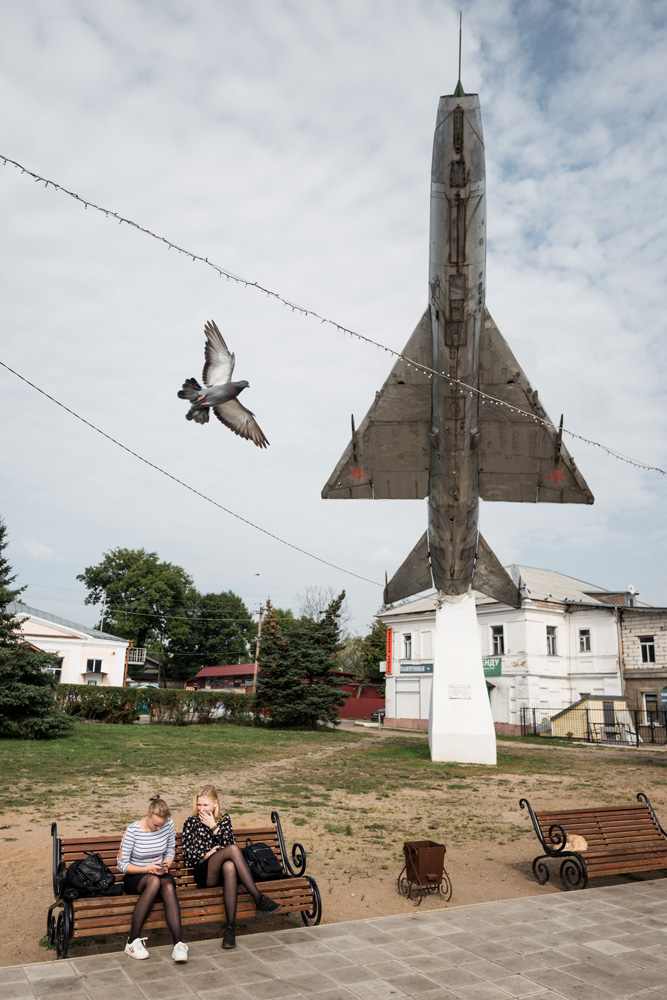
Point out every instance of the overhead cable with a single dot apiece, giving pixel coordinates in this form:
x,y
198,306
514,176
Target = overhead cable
x,y
187,486
305,311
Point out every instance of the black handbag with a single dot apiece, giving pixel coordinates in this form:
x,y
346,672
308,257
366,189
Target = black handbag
x,y
90,876
262,862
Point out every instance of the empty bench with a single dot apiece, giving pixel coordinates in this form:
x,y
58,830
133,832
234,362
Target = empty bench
x,y
93,915
620,840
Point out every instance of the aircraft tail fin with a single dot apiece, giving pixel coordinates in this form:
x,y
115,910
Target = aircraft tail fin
x,y
412,576
491,578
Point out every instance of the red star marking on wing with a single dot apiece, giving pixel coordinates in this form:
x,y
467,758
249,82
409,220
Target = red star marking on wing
x,y
556,475
357,473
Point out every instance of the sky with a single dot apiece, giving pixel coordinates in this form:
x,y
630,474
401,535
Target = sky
x,y
289,142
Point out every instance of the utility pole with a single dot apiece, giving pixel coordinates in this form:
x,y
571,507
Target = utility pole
x,y
259,634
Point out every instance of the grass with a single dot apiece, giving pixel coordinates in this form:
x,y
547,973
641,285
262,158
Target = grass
x,y
101,757
356,785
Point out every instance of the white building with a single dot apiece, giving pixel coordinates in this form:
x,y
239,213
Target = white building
x,y
562,643
81,655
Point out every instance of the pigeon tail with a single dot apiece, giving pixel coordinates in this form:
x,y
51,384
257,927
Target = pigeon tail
x,y
200,414
191,389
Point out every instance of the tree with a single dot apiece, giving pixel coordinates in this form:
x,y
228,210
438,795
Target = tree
x,y
145,600
374,650
28,708
219,630
350,657
297,684
275,682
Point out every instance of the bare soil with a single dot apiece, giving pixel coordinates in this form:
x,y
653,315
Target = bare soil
x,y
353,840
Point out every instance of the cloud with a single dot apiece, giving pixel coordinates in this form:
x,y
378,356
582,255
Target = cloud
x,y
291,143
36,549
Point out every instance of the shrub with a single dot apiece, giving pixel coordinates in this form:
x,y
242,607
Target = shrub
x,y
168,706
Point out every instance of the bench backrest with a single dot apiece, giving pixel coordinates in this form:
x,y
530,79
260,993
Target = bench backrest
x,y
73,848
605,827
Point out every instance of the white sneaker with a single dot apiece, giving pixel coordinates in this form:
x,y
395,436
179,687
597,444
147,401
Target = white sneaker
x,y
180,952
135,949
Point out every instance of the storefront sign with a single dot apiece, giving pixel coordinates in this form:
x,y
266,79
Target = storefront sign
x,y
390,650
492,666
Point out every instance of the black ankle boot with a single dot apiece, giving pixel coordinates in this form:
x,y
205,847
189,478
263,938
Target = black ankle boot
x,y
266,905
229,938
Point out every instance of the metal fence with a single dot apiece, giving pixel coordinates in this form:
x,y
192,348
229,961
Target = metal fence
x,y
606,722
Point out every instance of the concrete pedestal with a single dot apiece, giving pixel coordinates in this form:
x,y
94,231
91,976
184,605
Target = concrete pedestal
x,y
460,721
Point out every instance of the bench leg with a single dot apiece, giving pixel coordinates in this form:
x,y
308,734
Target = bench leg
x,y
51,924
573,872
540,870
312,917
63,930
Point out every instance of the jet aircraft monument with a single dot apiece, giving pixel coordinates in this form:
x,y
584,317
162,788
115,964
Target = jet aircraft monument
x,y
445,438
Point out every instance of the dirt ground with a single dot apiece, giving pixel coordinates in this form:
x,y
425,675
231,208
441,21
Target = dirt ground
x,y
356,860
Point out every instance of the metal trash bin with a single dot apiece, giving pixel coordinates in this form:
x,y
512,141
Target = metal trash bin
x,y
424,870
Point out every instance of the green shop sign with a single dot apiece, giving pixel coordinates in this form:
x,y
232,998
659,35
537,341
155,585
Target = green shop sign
x,y
492,665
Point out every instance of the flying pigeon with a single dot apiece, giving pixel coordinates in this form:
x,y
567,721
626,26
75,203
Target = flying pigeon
x,y
220,393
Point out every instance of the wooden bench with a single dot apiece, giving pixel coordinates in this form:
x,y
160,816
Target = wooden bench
x,y
79,918
621,840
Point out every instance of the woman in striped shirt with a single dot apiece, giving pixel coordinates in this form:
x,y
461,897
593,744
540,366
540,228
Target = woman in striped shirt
x,y
145,856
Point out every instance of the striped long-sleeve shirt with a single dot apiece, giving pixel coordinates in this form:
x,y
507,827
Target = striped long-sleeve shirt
x,y
140,848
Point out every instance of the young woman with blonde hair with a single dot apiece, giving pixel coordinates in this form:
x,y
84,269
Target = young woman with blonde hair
x,y
146,853
210,849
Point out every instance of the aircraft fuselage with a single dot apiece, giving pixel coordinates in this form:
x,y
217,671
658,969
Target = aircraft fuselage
x,y
457,264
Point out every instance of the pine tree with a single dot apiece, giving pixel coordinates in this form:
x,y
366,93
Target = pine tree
x,y
28,708
275,680
298,684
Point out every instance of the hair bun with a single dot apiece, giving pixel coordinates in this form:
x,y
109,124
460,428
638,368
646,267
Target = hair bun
x,y
155,798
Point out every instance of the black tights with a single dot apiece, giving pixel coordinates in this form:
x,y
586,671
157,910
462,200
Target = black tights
x,y
150,887
229,867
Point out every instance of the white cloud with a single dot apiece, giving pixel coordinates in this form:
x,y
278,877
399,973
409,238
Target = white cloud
x,y
36,549
291,143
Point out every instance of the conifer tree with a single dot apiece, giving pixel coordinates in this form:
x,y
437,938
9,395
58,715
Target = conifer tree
x,y
28,708
298,683
275,683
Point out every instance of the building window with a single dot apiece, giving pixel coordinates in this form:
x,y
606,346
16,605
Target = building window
x,y
55,669
647,645
552,640
497,640
407,646
584,640
427,644
93,666
651,709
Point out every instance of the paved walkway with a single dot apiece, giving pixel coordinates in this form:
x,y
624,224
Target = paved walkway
x,y
589,945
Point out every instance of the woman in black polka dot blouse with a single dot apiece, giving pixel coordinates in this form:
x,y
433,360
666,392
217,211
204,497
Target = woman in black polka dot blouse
x,y
210,850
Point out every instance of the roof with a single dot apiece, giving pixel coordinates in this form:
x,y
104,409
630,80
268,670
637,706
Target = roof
x,y
230,670
536,584
589,697
16,608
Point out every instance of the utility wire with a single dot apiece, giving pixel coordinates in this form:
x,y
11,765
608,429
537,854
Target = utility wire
x,y
187,486
223,272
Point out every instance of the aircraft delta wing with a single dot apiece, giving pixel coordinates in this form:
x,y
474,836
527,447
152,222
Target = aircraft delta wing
x,y
388,456
520,460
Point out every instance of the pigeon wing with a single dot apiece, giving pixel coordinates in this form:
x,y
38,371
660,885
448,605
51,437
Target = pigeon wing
x,y
240,420
219,364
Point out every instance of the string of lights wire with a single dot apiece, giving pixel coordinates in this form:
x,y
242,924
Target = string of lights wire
x,y
187,486
305,311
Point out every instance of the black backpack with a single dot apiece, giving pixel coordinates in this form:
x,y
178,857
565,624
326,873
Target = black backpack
x,y
262,862
90,876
